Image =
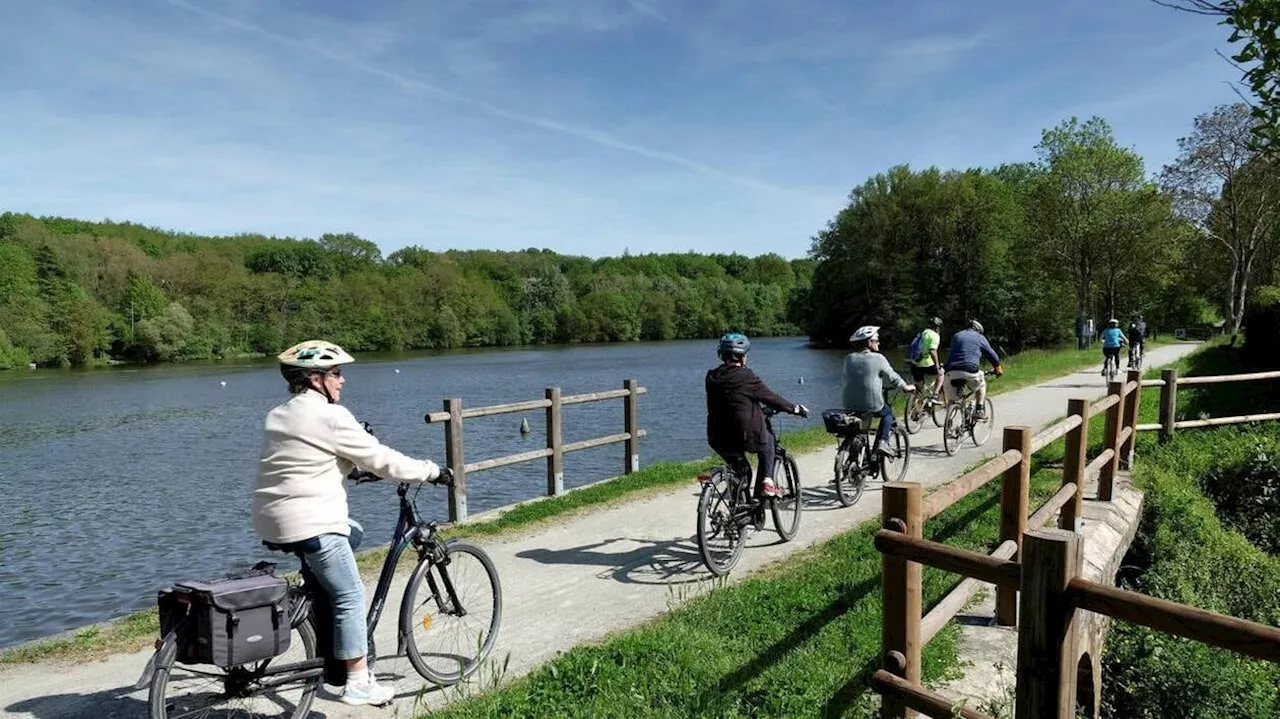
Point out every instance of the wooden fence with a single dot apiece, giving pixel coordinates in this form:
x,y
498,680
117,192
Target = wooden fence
x,y
1034,572
453,416
1169,384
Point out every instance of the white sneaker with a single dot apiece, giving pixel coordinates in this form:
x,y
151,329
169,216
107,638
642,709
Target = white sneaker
x,y
369,693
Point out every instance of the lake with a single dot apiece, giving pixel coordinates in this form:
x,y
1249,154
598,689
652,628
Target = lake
x,y
119,481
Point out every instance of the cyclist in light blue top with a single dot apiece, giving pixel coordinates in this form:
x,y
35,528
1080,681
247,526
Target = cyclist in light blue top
x,y
1112,340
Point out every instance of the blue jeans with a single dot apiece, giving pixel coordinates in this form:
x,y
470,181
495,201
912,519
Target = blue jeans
x,y
886,423
334,565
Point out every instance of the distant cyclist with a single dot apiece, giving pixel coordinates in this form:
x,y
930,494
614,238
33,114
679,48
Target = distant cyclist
x,y
866,372
964,362
1137,337
735,424
928,365
1112,340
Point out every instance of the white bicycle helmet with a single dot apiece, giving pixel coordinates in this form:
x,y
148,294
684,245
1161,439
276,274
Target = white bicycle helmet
x,y
865,333
315,355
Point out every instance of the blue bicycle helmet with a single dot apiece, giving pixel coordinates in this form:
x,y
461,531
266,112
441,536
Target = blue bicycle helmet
x,y
734,344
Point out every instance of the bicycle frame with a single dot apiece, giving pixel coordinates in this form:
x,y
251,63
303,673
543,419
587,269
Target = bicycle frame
x,y
409,530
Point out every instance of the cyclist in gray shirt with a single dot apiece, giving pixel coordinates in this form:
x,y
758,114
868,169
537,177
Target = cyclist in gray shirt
x,y
866,372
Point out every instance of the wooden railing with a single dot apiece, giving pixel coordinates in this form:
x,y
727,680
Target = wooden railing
x,y
1034,572
453,416
1169,384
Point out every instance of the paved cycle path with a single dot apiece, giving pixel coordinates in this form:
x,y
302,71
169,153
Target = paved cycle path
x,y
580,578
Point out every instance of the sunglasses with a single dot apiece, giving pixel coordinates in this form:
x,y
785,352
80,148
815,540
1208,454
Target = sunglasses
x,y
335,372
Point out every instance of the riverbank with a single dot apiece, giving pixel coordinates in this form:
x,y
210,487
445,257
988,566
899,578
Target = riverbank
x,y
135,630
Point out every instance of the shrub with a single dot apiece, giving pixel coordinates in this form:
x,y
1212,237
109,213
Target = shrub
x,y
1190,557
1262,329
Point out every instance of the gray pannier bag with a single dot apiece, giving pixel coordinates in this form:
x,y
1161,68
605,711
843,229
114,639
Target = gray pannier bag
x,y
229,620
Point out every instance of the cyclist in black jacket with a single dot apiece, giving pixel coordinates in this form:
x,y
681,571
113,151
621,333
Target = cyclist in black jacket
x,y
735,423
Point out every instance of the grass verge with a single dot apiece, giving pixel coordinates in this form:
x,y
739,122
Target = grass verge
x,y
1184,553
135,631
799,638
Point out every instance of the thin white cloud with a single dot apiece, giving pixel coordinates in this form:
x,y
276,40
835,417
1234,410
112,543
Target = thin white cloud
x,y
417,85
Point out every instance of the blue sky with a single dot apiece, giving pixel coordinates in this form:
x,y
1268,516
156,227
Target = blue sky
x,y
584,126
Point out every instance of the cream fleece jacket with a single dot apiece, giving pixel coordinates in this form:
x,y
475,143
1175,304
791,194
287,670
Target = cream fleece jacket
x,y
307,449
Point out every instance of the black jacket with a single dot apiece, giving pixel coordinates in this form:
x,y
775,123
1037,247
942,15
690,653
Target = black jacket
x,y
734,420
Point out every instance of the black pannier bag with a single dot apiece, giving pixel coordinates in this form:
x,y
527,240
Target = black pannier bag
x,y
838,421
229,620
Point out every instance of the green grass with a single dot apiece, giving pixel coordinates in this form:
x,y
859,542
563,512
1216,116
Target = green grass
x,y
799,638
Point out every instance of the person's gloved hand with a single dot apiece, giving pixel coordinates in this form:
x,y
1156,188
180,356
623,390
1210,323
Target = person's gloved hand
x,y
801,410
445,478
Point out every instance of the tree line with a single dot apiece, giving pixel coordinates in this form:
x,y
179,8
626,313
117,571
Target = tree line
x,y
75,292
1079,231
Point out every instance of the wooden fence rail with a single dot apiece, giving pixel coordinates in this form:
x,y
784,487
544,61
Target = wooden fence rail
x,y
1169,383
453,415
1035,571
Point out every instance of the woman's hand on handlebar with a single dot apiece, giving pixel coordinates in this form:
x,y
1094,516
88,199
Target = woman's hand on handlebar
x,y
360,476
445,478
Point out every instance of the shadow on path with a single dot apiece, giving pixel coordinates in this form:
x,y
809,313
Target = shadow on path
x,y
674,561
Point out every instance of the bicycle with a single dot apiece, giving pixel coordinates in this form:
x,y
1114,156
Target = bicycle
x,y
1111,365
918,403
453,611
856,460
727,509
1135,356
962,417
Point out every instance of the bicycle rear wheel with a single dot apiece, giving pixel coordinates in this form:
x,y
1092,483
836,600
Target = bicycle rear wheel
x,y
720,538
787,508
893,468
980,432
849,479
201,690
953,427
450,616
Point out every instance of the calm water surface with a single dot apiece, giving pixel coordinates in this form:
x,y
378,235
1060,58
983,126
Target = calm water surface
x,y
116,482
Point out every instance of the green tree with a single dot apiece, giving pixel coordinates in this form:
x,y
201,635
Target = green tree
x,y
1229,193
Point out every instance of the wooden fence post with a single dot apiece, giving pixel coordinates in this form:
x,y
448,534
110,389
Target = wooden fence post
x,y
555,460
1074,463
901,593
631,425
1168,403
1111,439
453,457
1015,488
1047,635
1132,402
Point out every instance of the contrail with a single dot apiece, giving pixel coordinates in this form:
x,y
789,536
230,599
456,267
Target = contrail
x,y
416,85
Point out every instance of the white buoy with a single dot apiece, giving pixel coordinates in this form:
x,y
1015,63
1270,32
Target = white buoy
x,y
223,383
801,379
524,426
397,370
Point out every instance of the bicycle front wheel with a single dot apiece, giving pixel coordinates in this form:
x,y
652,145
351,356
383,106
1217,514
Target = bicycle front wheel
x,y
913,416
787,508
720,537
953,428
451,613
200,690
894,467
980,432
